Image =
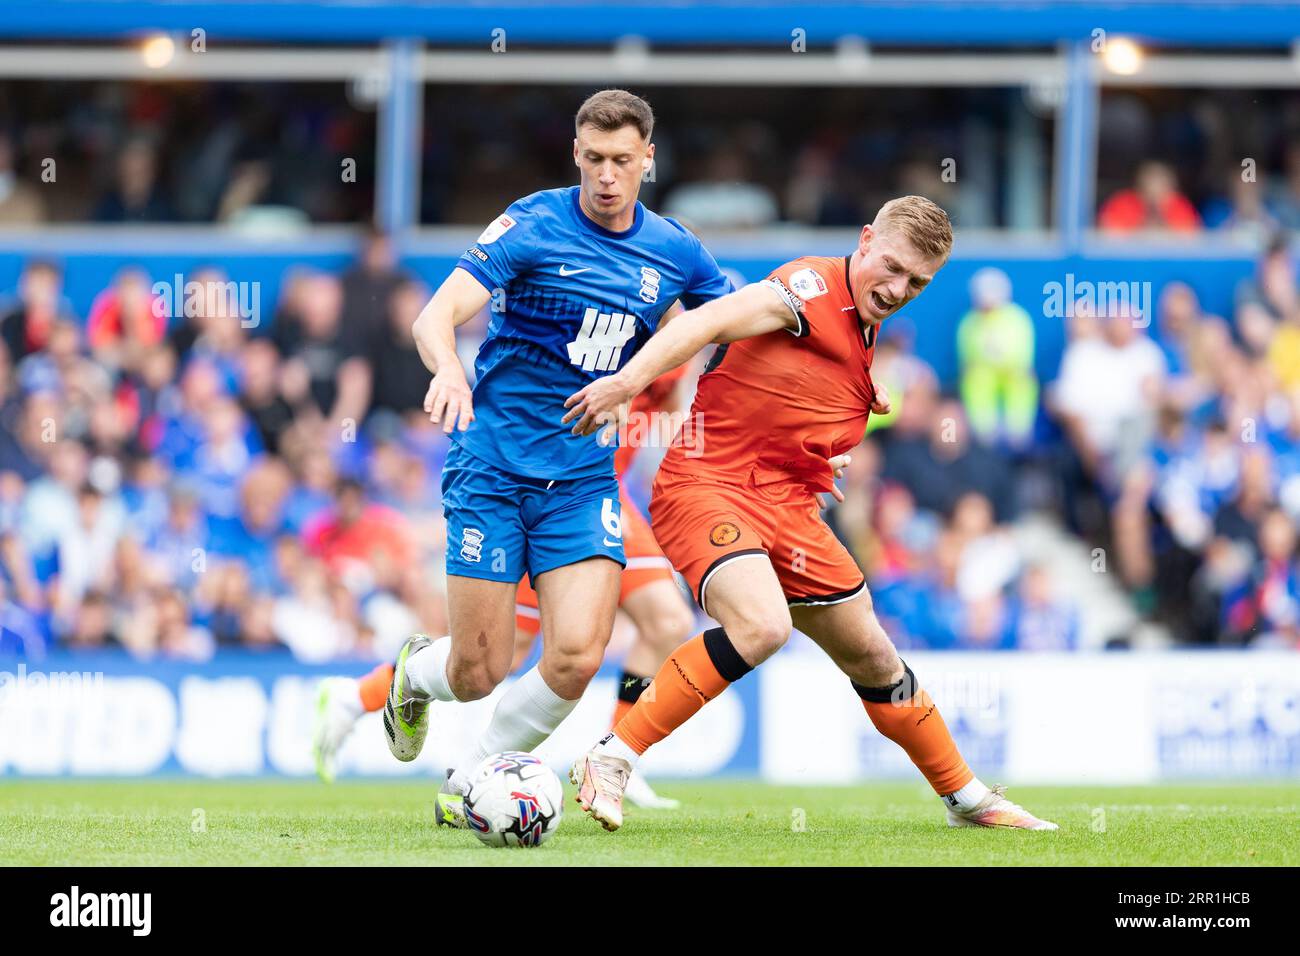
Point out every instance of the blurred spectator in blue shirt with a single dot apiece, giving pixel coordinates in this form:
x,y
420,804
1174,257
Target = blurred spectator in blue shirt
x,y
217,464
175,549
1266,607
249,536
1042,621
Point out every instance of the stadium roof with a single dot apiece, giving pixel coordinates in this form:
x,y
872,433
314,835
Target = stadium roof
x,y
576,22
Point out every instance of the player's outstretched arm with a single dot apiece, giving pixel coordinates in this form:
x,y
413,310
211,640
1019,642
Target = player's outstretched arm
x,y
754,310
458,299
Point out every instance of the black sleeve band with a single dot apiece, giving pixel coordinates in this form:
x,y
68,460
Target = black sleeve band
x,y
631,686
896,693
731,666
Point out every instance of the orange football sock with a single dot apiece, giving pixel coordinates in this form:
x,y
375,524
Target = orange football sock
x,y
906,715
621,710
374,687
693,675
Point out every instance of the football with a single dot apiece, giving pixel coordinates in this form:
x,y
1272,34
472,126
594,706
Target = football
x,y
514,800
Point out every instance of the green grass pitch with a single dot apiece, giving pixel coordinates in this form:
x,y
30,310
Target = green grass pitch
x,y
183,822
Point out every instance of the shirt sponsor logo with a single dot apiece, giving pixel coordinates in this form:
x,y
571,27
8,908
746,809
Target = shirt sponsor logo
x,y
478,254
599,345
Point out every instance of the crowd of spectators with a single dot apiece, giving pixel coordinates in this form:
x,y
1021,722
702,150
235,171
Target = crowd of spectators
x,y
178,486
1191,454
175,485
299,153
1254,204
253,153
1192,161
233,153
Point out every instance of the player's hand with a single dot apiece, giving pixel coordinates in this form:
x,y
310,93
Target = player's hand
x,y
838,464
600,405
449,400
880,401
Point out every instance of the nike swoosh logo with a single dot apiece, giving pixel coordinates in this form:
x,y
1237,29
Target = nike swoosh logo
x,y
573,272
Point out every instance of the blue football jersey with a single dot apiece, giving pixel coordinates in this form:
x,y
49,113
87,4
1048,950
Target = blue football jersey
x,y
571,302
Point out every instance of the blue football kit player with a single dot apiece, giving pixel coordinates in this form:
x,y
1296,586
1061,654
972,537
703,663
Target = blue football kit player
x,y
521,491
575,280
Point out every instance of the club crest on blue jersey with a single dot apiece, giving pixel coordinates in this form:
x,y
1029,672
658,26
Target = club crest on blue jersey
x,y
649,285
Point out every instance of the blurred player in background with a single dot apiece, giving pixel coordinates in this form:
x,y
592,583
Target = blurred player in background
x,y
578,280
648,595
740,521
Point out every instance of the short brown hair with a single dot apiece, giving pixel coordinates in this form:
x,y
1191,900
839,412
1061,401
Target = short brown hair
x,y
609,110
922,223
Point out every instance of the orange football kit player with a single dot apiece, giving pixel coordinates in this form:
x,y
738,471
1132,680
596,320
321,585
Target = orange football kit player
x,y
788,390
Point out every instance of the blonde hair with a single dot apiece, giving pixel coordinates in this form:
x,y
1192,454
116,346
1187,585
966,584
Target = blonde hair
x,y
921,222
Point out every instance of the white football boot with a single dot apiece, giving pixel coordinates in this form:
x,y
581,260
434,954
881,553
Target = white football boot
x,y
601,781
995,810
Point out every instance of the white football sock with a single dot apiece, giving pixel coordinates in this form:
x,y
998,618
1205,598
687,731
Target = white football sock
x,y
525,716
426,670
612,746
352,701
968,797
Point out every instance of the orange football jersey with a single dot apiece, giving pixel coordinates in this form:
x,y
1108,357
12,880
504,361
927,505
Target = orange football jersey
x,y
776,407
653,398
